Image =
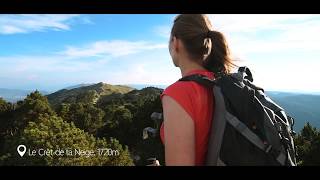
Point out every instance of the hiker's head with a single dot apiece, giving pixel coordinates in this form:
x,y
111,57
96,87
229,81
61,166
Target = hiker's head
x,y
192,35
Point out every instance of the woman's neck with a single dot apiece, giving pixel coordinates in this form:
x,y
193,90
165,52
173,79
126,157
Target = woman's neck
x,y
189,66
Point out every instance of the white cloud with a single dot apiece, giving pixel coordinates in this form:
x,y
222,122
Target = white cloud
x,y
12,24
20,65
154,69
114,48
8,29
249,34
145,68
255,22
267,44
163,31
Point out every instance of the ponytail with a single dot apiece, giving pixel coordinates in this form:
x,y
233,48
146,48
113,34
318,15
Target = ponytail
x,y
218,60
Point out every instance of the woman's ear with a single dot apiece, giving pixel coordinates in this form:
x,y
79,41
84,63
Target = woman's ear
x,y
174,49
175,44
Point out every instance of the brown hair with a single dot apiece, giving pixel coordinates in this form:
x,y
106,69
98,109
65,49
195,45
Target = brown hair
x,y
202,42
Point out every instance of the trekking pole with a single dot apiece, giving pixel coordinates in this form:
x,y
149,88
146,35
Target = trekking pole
x,y
153,132
154,162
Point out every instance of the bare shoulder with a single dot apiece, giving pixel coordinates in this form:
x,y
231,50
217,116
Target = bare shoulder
x,y
173,111
178,134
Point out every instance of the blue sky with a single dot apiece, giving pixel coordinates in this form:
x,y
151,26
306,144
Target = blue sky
x,y
49,52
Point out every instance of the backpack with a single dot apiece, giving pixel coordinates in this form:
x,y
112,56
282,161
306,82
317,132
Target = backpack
x,y
248,128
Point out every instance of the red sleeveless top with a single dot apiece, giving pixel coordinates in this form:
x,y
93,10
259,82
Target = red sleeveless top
x,y
198,102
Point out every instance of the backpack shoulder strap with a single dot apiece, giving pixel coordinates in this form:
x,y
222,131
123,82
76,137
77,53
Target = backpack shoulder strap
x,y
217,129
218,122
201,79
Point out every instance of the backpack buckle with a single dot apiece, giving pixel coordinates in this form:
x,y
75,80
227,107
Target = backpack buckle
x,y
268,148
278,126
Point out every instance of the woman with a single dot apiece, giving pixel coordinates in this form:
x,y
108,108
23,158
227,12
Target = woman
x,y
187,106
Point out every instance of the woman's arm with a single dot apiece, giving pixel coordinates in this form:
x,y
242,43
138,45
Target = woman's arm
x,y
179,135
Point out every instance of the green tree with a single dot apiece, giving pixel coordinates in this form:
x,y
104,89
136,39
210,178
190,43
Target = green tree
x,y
5,121
5,109
63,111
83,112
90,97
84,116
308,132
14,120
118,124
51,132
4,106
308,146
30,108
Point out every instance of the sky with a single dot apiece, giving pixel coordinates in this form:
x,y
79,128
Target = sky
x,y
50,52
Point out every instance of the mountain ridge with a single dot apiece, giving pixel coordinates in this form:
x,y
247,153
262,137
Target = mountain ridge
x,y
100,88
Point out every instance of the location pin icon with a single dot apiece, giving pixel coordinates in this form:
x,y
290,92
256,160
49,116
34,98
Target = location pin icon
x,y
21,149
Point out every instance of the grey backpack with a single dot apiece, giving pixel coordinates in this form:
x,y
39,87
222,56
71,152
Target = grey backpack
x,y
248,128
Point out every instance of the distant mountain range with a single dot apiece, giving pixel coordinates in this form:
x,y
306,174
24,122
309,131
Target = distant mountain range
x,y
303,107
14,95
